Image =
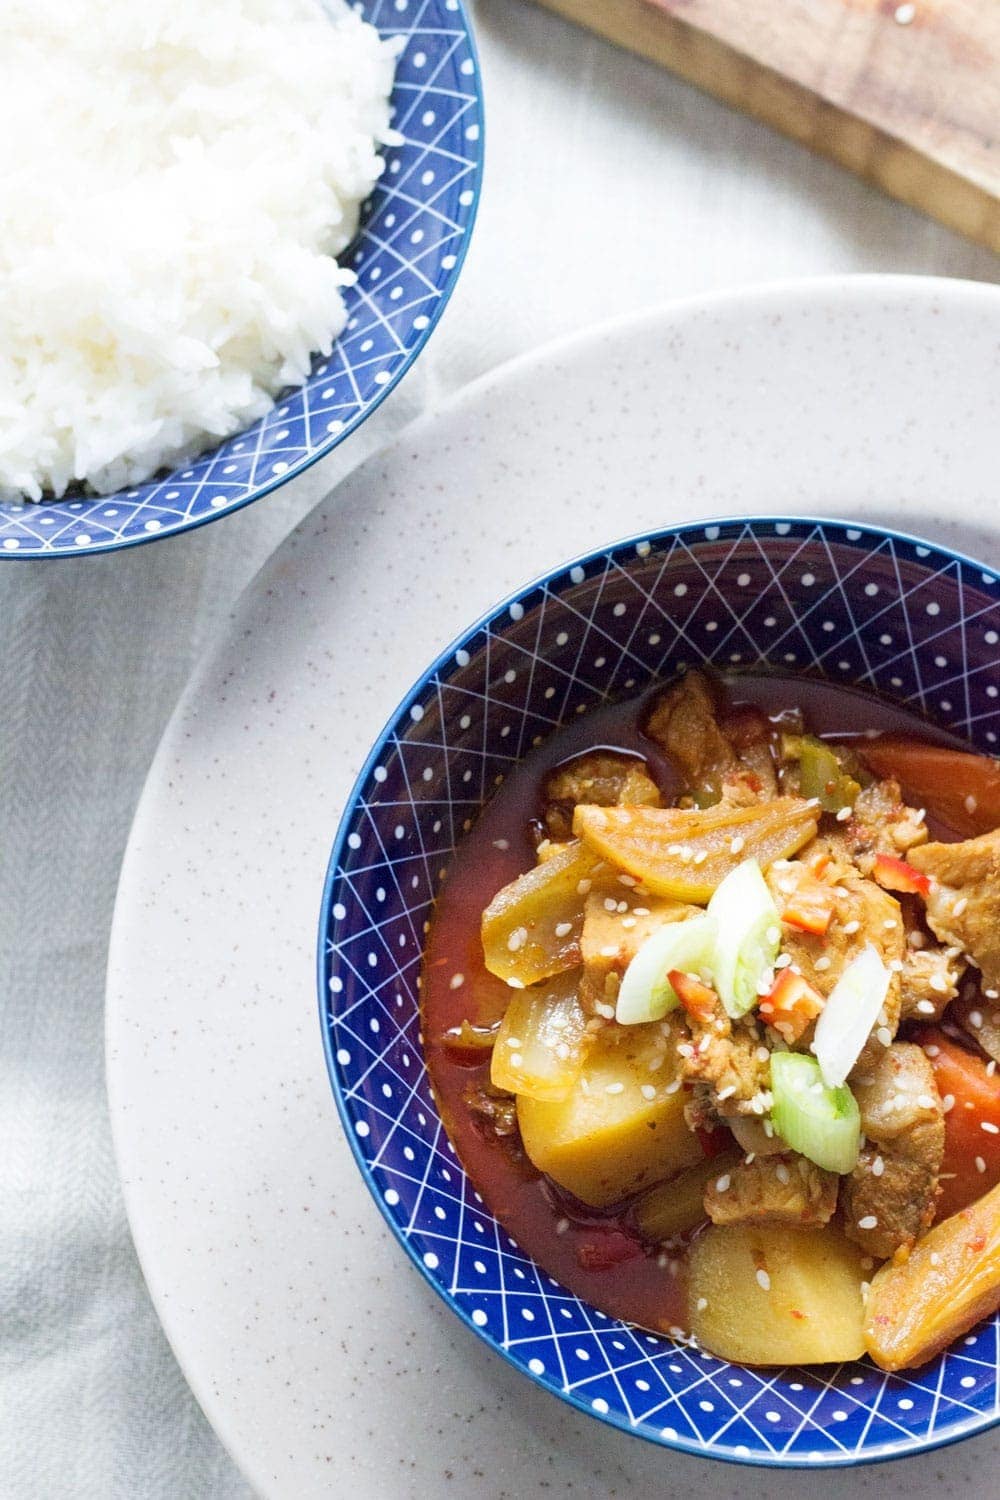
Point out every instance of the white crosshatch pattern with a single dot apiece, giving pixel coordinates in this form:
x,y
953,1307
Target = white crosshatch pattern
x,y
407,258
865,608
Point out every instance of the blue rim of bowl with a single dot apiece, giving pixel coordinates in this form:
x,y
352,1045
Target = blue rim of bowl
x,y
970,1428
335,439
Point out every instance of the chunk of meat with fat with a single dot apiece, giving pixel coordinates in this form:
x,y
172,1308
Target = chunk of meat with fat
x,y
683,722
784,1189
929,982
882,823
727,1061
602,778
890,1197
617,921
963,905
863,913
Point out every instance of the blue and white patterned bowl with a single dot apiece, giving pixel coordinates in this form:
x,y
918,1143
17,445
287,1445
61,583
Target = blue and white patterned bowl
x,y
857,605
408,255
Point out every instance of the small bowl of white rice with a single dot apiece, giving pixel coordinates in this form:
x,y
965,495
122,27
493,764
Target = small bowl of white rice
x,y
227,233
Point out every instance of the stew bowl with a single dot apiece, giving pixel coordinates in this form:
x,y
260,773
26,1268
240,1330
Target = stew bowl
x,y
852,604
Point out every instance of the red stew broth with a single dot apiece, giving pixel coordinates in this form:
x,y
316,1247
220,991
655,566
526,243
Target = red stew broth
x,y
593,1254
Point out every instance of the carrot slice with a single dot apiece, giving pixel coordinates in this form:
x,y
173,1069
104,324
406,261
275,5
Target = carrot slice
x,y
959,788
972,1124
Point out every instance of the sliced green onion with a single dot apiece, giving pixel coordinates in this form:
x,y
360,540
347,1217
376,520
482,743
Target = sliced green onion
x,y
749,936
850,1012
646,994
819,1122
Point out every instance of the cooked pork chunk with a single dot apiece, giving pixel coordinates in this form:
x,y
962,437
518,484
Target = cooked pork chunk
x,y
930,980
963,907
604,778
683,722
979,1017
727,1058
882,824
890,1197
784,1189
616,922
864,913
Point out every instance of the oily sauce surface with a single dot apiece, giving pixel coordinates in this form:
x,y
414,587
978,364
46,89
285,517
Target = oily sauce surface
x,y
591,1253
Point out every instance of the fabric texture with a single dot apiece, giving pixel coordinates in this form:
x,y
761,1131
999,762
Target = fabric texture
x,y
609,187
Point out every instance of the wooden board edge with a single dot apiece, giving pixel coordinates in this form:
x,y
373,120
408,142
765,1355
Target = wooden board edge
x,y
891,164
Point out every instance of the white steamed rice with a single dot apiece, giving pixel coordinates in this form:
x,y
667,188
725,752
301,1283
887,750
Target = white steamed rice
x,y
175,178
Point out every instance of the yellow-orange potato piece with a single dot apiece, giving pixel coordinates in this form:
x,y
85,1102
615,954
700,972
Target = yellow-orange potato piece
x,y
672,1208
607,1139
541,1043
531,929
768,1294
950,1280
686,853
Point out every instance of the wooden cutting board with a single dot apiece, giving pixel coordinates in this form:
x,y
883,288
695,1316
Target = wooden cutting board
x,y
905,94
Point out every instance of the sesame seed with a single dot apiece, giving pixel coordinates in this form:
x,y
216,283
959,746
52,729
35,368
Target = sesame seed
x,y
647,1091
762,1055
822,963
562,1051
763,1280
935,1258
514,1043
878,1167
726,1093
980,1164
773,934
610,950
919,814
925,1007
989,1127
722,1184
628,922
607,1011
614,1088
610,904
737,845
843,815
516,1060
456,981
992,994
868,1221
884,1035
676,850
782,961
622,906
939,984
563,929
561,1226
702,1303
768,1129
991,1067
890,924
517,939
701,856
640,911
503,843
960,906
925,1101
975,1019
970,803
931,1050
582,887
629,880
685,1049
895,965
916,939
672,1088
781,1172
514,984
948,1103
851,927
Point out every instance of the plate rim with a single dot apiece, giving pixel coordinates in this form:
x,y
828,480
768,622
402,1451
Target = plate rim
x,y
750,298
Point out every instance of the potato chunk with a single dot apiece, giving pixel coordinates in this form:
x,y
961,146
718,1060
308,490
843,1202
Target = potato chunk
x,y
772,1295
620,1129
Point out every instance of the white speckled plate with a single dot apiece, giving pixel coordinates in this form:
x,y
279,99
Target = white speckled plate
x,y
324,1362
